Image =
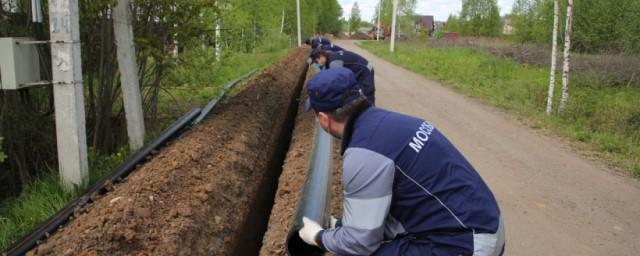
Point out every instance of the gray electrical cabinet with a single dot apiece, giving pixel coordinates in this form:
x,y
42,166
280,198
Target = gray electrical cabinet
x,y
19,65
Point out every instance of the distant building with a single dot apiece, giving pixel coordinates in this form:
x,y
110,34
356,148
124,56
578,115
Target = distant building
x,y
424,23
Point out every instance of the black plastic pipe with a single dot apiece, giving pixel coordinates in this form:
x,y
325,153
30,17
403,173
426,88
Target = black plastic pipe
x,y
215,100
316,197
50,226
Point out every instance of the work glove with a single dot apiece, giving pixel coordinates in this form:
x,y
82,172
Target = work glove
x,y
333,222
309,230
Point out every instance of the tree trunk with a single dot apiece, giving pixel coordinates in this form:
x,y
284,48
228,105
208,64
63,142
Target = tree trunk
x,y
554,53
567,57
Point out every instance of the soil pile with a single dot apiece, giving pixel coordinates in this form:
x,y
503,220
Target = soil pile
x,y
204,194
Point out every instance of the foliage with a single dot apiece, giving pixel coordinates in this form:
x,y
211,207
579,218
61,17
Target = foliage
x,y
354,17
599,25
3,156
406,14
477,18
44,197
329,17
605,116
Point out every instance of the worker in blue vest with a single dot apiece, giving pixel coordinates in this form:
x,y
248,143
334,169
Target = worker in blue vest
x,y
407,189
319,42
361,68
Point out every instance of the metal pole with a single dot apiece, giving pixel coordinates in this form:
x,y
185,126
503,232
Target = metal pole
x,y
129,74
299,32
393,25
68,95
379,12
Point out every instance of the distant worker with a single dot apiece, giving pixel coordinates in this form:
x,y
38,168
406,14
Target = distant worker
x,y
407,189
319,42
360,66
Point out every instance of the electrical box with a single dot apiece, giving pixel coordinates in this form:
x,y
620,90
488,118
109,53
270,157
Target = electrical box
x,y
19,64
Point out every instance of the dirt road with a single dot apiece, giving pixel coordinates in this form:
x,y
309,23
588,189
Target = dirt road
x,y
554,201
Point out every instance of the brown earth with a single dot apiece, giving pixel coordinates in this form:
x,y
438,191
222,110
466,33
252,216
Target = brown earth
x,y
203,194
292,180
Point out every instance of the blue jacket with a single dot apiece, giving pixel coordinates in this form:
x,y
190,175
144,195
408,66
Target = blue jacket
x,y
325,44
360,67
403,178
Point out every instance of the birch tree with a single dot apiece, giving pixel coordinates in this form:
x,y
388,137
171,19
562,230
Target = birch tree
x,y
554,50
567,57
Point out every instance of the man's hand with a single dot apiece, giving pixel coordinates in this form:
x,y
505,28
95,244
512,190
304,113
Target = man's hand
x,y
309,231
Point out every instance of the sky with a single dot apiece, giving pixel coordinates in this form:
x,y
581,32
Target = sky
x,y
441,9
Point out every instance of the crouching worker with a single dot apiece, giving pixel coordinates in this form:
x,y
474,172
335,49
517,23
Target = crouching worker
x,y
407,189
361,68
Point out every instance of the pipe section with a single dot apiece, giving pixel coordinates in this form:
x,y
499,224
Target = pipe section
x,y
315,201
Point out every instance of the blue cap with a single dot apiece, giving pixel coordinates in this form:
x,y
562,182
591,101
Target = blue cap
x,y
315,53
331,89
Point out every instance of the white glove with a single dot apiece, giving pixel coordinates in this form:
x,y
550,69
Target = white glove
x,y
333,222
309,231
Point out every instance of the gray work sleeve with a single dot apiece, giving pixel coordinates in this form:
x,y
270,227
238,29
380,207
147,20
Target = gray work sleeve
x,y
336,64
368,184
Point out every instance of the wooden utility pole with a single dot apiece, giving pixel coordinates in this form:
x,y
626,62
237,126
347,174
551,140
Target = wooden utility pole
x,y
554,53
68,92
299,31
393,25
129,74
567,57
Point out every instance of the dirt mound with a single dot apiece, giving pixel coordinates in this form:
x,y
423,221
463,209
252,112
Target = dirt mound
x,y
202,195
292,180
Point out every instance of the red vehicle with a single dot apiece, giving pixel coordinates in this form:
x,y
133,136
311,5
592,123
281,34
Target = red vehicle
x,y
384,32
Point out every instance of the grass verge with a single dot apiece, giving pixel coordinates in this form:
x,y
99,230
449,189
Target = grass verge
x,y
44,197
599,113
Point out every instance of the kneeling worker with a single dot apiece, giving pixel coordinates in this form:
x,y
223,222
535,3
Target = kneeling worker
x,y
361,68
407,189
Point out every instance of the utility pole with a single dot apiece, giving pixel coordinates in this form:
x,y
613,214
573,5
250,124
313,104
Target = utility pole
x,y
299,32
379,11
393,25
129,74
68,92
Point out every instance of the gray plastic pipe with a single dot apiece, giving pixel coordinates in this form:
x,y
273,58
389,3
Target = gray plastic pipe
x,y
316,197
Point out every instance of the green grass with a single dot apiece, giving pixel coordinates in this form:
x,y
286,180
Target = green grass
x,y
605,116
199,77
44,197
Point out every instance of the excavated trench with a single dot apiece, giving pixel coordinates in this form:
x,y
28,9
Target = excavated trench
x,y
209,192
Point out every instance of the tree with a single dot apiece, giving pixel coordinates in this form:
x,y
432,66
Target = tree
x,y
329,17
480,18
354,17
552,79
567,57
